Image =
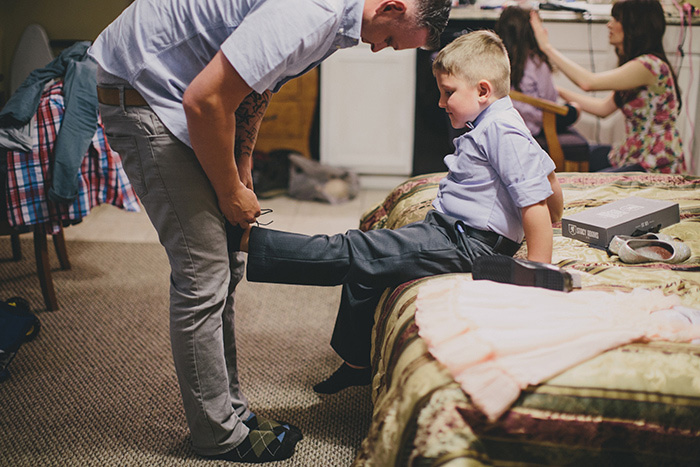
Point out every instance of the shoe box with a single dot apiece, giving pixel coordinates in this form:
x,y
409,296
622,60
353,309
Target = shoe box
x,y
629,216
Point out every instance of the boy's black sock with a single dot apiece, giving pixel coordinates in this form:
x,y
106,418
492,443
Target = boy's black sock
x,y
234,234
256,422
344,377
261,446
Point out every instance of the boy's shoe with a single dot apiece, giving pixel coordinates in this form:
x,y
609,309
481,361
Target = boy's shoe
x,y
234,233
344,377
501,268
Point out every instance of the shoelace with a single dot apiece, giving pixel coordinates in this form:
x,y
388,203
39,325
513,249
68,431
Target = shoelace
x,y
262,213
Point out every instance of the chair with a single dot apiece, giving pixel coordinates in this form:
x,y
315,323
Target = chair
x,y
568,150
41,252
34,51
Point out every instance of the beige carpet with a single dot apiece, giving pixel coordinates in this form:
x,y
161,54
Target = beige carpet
x,y
97,385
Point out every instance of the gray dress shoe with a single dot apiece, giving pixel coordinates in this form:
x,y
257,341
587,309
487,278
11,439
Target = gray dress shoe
x,y
638,250
619,240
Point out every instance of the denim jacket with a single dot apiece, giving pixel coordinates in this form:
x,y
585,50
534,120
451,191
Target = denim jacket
x,y
79,122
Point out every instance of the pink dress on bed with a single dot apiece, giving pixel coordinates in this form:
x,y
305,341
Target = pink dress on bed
x,y
497,339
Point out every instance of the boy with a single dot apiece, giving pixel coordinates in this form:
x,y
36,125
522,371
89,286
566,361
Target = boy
x,y
500,188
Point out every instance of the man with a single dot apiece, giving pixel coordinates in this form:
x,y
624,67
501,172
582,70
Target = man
x,y
183,86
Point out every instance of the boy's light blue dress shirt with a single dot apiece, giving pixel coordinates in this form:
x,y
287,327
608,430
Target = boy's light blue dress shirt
x,y
497,169
268,42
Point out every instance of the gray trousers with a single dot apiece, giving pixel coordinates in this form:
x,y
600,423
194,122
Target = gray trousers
x,y
366,263
183,208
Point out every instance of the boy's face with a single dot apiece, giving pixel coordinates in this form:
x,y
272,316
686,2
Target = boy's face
x,y
460,100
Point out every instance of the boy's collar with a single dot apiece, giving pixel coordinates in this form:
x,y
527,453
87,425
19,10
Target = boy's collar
x,y
501,104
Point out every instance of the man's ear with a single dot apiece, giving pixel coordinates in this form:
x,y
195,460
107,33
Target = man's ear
x,y
485,89
391,6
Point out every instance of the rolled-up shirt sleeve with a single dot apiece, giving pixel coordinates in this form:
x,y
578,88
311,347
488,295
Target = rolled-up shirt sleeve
x,y
293,38
519,163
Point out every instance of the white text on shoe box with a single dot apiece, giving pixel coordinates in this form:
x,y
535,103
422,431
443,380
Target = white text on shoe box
x,y
633,215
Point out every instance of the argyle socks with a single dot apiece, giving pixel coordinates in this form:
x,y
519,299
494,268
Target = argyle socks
x,y
344,377
261,446
256,422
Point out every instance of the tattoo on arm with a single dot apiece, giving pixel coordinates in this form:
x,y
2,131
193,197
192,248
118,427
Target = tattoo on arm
x,y
249,116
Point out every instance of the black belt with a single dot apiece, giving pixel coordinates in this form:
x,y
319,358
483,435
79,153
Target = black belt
x,y
112,96
498,243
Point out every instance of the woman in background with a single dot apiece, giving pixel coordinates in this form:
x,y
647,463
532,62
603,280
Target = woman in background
x,y
644,87
530,70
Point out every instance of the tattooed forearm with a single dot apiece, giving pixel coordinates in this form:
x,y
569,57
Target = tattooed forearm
x,y
249,116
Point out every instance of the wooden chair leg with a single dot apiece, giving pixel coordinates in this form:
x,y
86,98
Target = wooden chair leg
x,y
59,242
576,166
43,268
16,247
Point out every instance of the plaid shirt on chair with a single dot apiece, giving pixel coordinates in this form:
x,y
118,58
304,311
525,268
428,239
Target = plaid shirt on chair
x,y
101,179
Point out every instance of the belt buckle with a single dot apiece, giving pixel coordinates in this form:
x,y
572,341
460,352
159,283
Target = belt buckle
x,y
498,244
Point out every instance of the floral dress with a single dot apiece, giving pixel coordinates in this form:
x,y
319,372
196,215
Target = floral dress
x,y
652,138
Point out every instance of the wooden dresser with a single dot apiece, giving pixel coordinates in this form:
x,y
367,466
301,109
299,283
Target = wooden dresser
x,y
289,117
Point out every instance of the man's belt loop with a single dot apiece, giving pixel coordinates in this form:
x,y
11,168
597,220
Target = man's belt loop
x,y
121,96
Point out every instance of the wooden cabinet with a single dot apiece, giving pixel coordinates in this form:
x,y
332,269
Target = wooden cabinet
x,y
289,118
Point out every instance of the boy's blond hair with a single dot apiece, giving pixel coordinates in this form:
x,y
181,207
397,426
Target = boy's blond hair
x,y
475,56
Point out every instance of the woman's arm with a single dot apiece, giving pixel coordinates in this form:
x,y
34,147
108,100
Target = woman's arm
x,y
628,76
600,107
538,232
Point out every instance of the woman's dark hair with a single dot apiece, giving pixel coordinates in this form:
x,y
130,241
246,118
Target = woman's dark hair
x,y
643,25
513,26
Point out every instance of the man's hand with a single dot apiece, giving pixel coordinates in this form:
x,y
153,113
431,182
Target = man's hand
x,y
241,206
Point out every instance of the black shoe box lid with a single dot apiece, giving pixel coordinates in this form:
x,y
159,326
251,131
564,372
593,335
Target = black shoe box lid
x,y
629,216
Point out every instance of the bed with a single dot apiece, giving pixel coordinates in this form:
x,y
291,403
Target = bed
x,y
637,404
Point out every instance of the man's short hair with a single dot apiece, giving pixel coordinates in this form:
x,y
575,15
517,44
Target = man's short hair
x,y
475,56
433,14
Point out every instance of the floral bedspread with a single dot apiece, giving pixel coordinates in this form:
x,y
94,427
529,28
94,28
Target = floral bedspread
x,y
638,404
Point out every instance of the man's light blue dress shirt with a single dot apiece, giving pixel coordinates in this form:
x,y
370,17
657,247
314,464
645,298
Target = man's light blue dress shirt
x,y
268,42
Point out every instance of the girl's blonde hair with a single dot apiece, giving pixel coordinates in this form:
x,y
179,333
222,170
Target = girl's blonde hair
x,y
475,56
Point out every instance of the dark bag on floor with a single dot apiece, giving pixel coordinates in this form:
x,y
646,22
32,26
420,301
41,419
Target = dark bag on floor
x,y
17,325
310,180
271,173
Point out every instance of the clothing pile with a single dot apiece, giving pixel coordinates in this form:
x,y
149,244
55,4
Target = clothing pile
x,y
55,162
496,339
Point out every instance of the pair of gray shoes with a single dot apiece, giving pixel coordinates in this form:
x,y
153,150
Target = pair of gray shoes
x,y
650,247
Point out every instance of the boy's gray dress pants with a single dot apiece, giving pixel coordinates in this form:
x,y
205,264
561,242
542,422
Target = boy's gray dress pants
x,y
182,205
366,263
